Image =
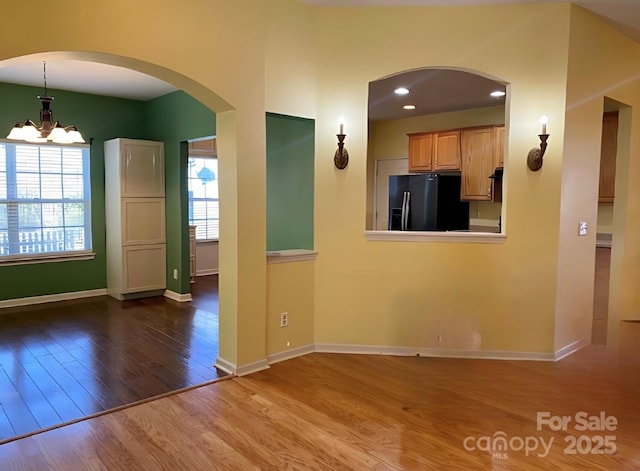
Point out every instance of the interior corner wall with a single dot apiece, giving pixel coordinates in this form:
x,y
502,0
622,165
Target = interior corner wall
x,y
175,118
468,296
117,118
602,62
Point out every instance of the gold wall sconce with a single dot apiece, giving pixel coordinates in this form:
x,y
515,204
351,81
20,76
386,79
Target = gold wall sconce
x,y
534,159
341,157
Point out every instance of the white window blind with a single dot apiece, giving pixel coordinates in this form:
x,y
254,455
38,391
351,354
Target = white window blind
x,y
45,200
203,197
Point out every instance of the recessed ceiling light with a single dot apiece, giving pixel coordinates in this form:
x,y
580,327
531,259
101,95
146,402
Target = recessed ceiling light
x,y
498,93
409,107
401,91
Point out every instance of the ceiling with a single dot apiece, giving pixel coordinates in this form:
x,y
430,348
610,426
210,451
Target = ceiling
x,y
469,90
85,77
431,91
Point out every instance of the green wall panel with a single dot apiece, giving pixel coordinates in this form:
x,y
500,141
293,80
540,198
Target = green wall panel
x,y
175,118
97,117
290,162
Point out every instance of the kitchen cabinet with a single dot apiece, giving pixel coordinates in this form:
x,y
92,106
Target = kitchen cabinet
x,y
420,152
434,151
478,163
499,144
135,217
608,153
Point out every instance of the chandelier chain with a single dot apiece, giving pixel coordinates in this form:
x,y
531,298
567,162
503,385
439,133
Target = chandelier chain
x,y
44,67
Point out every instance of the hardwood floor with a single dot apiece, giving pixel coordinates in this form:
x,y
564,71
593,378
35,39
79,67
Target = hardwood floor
x,y
355,412
63,361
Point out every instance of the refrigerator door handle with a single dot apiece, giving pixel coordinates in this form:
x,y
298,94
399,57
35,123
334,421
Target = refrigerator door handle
x,y
404,204
405,210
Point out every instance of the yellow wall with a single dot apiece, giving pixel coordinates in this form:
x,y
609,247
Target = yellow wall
x,y
215,51
290,288
602,63
605,218
242,58
495,297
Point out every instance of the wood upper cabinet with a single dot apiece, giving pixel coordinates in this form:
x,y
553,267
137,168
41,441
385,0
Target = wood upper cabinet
x,y
478,163
434,151
609,150
420,152
499,140
446,151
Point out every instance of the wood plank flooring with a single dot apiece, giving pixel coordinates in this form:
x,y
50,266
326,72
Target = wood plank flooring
x,y
63,361
361,412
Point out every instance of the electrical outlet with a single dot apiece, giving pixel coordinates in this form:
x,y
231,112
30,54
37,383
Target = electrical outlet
x,y
439,339
284,319
175,273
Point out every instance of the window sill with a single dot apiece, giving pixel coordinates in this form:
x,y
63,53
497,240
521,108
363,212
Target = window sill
x,y
206,241
290,256
420,236
45,258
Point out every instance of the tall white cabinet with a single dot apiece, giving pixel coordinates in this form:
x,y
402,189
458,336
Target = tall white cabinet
x,y
135,212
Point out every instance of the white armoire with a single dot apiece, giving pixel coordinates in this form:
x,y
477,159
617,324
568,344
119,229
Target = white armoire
x,y
135,217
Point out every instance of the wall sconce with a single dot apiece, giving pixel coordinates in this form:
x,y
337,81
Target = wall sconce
x,y
341,157
534,159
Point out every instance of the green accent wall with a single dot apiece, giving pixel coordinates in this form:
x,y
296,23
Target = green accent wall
x,y
97,117
171,118
290,182
174,119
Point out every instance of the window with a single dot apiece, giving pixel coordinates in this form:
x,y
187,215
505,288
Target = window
x,y
45,202
203,197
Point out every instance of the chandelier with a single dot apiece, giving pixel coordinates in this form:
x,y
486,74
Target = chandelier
x,y
46,129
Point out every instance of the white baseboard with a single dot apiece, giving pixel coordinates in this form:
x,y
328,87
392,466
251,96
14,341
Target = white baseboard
x,y
571,348
50,298
434,352
209,271
225,366
177,296
289,354
231,368
252,367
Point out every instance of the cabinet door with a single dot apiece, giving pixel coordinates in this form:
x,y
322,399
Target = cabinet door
x,y
142,167
608,154
500,131
477,163
420,152
144,268
446,151
143,221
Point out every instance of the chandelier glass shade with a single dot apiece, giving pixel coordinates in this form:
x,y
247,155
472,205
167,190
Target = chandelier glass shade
x,y
47,129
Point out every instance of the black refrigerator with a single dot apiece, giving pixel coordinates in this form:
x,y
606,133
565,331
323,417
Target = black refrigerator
x,y
427,202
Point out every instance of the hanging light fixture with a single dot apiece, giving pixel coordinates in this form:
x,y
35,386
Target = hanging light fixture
x,y
46,129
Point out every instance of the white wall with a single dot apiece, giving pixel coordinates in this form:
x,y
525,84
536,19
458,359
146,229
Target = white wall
x,y
206,258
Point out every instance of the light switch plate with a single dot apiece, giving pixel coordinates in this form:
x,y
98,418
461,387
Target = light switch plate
x,y
582,228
